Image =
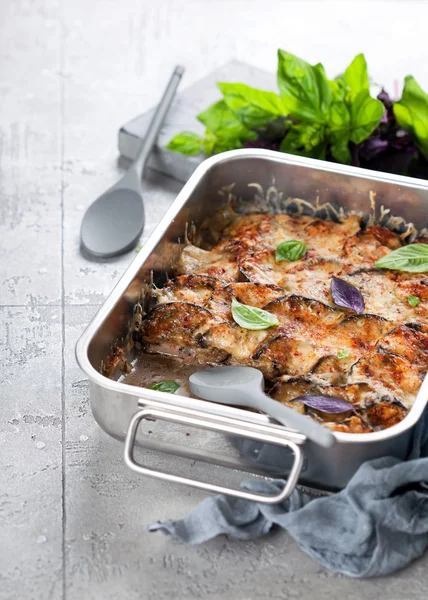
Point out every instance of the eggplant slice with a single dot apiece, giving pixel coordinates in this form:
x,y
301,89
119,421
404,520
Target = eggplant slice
x,y
366,247
176,329
195,289
389,373
219,262
252,294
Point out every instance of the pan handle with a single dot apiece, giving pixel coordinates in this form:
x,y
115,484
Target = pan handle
x,y
214,423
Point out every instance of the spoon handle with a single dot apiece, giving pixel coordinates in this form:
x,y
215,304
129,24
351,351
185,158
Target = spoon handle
x,y
156,122
291,418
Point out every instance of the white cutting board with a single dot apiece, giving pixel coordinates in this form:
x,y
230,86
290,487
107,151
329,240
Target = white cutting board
x,y
182,116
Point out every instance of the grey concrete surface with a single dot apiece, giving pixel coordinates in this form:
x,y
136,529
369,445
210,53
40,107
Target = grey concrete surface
x,y
72,516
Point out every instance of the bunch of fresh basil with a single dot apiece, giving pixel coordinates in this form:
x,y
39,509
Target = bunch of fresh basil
x,y
317,117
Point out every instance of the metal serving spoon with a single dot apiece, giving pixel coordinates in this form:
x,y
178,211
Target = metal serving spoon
x,y
113,224
243,386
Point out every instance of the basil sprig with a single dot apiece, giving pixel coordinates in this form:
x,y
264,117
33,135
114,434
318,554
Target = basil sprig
x,y
311,115
290,250
250,317
224,131
169,387
343,354
411,259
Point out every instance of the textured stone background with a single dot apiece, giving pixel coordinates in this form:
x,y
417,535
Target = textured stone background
x,y
71,72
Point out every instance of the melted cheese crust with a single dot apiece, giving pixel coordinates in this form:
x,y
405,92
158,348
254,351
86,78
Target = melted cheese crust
x,y
386,347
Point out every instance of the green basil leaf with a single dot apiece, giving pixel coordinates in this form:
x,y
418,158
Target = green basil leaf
x,y
339,130
250,317
413,300
356,76
411,112
255,108
209,143
274,130
305,90
221,121
354,116
340,118
340,151
290,250
165,386
224,130
306,139
343,354
214,144
338,89
186,142
366,113
412,259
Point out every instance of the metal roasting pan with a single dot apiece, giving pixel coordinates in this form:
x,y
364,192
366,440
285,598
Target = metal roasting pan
x,y
221,435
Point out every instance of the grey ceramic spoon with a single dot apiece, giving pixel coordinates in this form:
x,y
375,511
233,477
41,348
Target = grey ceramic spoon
x,y
243,386
113,224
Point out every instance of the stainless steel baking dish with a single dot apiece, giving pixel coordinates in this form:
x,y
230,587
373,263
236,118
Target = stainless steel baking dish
x,y
223,435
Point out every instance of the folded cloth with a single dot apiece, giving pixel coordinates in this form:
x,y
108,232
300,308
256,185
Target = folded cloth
x,y
376,525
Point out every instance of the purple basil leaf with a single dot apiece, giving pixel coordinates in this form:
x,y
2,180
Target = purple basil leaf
x,y
328,404
347,295
402,133
384,98
372,147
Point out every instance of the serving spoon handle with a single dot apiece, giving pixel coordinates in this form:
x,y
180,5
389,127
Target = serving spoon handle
x,y
149,141
291,418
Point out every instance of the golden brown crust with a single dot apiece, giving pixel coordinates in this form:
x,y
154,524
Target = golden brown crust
x,y
368,246
375,361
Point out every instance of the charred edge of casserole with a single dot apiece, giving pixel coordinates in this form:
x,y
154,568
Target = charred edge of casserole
x,y
294,299
271,201
209,281
357,317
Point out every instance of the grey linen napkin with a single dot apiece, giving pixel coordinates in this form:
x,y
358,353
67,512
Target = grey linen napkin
x,y
376,525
